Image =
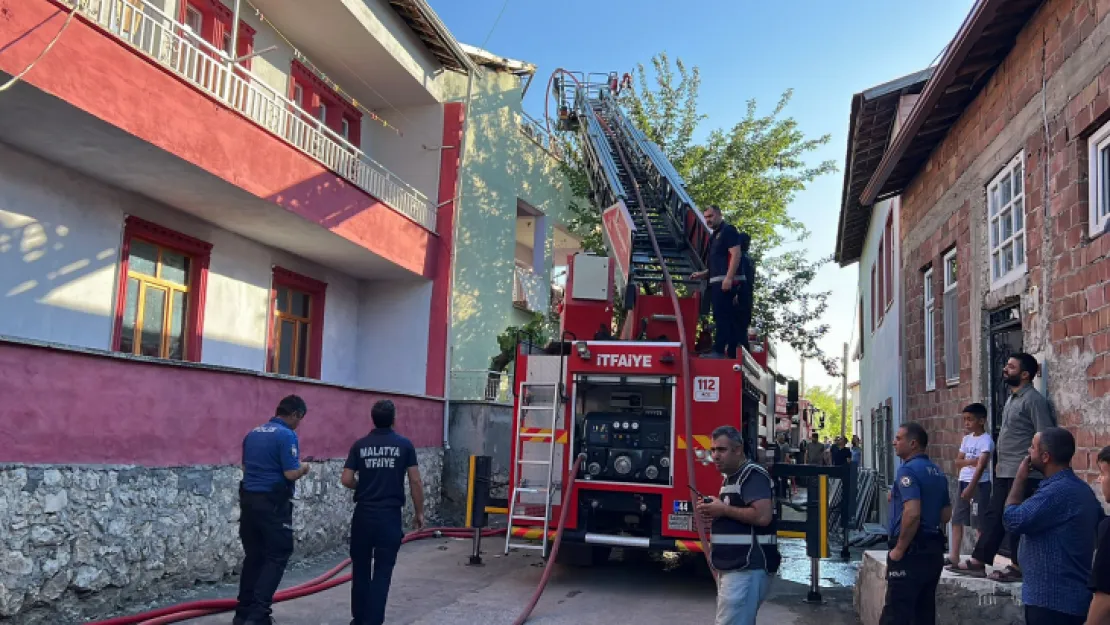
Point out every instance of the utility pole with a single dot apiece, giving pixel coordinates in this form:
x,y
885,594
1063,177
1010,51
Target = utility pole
x,y
844,391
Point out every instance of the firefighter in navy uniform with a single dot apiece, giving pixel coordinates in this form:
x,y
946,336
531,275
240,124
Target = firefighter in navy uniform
x,y
920,508
376,468
744,543
271,467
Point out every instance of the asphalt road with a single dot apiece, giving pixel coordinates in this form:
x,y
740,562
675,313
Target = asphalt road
x,y
432,584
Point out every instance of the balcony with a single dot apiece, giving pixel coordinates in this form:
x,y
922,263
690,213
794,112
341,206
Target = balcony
x,y
147,29
530,291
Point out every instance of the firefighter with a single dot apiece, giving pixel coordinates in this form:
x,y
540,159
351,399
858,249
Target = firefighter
x,y
376,468
744,292
725,249
271,467
919,509
744,544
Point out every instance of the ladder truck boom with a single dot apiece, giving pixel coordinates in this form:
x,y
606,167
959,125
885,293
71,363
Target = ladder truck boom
x,y
618,424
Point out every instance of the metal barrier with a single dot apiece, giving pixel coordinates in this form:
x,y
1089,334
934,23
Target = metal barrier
x,y
815,528
479,503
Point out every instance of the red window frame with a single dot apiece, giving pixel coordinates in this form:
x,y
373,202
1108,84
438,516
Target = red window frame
x,y
316,92
200,253
216,20
318,291
888,236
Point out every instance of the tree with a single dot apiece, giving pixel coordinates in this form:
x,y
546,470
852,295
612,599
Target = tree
x,y
752,171
828,401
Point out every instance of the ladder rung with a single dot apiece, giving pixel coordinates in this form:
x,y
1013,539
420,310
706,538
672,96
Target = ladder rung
x,y
547,435
533,462
520,517
531,490
537,407
526,546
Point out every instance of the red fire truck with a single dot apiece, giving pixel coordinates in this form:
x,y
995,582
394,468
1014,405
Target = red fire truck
x,y
626,411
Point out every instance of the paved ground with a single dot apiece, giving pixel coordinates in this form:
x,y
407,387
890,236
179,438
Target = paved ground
x,y
433,585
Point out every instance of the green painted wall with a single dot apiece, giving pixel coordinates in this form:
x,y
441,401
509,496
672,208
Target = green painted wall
x,y
501,166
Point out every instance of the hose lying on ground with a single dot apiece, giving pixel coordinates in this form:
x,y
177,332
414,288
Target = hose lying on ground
x,y
196,609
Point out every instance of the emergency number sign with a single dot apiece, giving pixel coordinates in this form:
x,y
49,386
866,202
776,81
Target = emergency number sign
x,y
707,389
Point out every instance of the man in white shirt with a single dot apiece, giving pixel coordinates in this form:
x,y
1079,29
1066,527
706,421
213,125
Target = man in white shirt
x,y
973,461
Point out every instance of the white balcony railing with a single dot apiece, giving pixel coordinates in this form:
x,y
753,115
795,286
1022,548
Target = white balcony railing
x,y
530,291
481,385
148,29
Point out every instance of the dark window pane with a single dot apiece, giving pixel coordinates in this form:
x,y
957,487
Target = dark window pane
x,y
300,304
177,326
154,312
283,299
130,311
302,351
285,347
143,258
175,267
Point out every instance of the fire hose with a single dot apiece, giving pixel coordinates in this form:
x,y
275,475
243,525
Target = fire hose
x,y
687,389
197,609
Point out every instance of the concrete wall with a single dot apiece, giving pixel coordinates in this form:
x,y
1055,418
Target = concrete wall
x,y
60,257
1065,314
880,378
479,429
501,167
412,155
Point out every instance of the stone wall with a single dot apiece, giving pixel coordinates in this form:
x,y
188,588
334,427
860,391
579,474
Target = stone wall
x,y
959,599
476,428
1045,99
90,541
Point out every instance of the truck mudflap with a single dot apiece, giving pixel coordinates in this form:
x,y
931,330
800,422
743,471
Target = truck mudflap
x,y
613,540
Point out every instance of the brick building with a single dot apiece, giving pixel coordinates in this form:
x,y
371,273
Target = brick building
x,y
1021,96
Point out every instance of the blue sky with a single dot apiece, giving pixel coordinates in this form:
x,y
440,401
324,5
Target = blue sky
x,y
826,51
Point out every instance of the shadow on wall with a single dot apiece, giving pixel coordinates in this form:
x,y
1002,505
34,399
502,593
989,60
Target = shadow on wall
x,y
502,166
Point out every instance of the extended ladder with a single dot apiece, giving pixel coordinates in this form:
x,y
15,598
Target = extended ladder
x,y
535,472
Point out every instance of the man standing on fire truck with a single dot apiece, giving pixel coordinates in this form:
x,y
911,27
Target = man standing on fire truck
x,y
724,264
744,544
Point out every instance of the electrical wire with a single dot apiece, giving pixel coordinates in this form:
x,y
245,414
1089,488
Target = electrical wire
x,y
504,6
20,75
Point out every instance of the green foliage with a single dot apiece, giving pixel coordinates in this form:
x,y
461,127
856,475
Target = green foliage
x,y
540,330
752,171
828,400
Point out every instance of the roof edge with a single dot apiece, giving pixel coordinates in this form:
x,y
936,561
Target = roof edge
x,y
445,35
982,13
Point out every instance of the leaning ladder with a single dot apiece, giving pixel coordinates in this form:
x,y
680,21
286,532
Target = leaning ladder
x,y
524,436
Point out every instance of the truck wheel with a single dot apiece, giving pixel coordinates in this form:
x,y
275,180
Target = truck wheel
x,y
579,555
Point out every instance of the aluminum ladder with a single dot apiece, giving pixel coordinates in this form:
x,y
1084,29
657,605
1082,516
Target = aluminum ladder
x,y
548,436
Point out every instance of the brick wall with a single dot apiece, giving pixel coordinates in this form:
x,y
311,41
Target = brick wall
x,y
1065,294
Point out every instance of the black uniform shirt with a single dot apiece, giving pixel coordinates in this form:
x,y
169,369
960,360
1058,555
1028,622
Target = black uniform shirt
x,y
723,239
1100,571
381,459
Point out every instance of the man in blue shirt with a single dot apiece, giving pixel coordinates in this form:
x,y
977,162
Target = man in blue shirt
x,y
271,466
724,263
1058,526
376,469
919,509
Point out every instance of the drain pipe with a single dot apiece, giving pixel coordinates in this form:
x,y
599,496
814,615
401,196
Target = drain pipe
x,y
449,352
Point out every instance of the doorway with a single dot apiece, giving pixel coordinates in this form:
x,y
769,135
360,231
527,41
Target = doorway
x,y
1005,339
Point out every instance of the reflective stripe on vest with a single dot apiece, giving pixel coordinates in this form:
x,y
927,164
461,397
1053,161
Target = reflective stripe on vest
x,y
743,539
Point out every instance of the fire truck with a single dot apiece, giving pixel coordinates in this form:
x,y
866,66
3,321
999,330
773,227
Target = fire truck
x,y
620,415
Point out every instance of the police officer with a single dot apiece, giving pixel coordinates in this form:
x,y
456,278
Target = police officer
x,y
271,467
376,468
919,510
744,544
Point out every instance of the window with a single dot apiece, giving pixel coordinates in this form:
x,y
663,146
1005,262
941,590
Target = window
x,y
322,102
951,321
210,20
160,301
874,302
881,283
930,346
1099,180
1006,200
296,325
888,239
